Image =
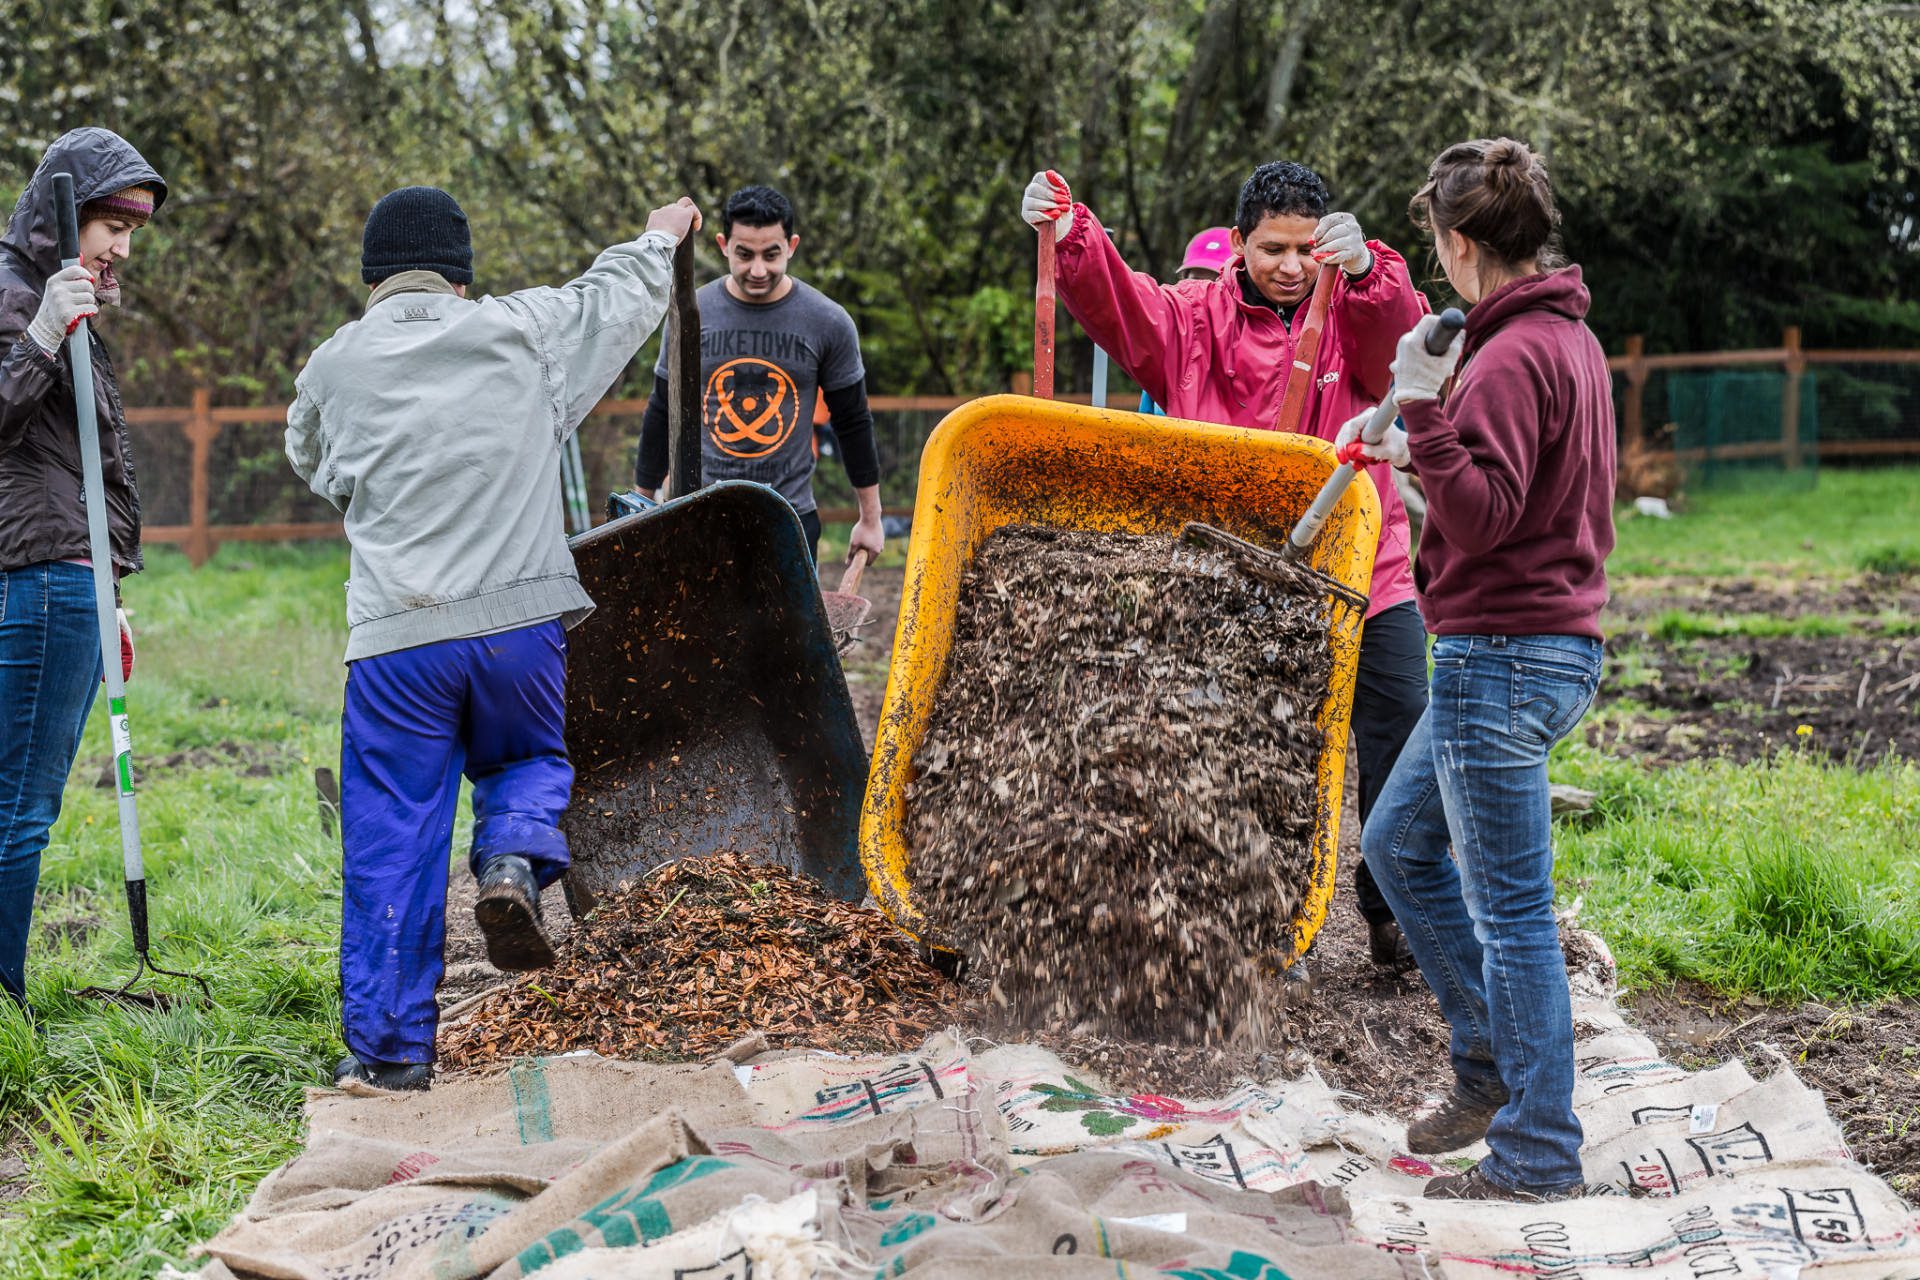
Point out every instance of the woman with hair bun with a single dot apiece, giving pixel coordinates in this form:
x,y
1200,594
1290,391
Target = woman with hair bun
x,y
1517,461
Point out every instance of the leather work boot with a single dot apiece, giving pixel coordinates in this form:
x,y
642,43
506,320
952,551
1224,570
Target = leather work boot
x,y
1460,1122
1387,946
508,913
1475,1185
384,1075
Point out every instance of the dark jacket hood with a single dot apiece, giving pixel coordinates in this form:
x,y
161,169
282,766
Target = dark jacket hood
x,y
101,162
1560,293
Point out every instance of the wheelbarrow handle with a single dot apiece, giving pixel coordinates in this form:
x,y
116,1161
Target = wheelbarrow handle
x,y
856,565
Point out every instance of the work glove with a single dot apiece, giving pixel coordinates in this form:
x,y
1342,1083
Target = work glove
x,y
1417,375
1392,448
68,300
1048,199
1339,239
126,645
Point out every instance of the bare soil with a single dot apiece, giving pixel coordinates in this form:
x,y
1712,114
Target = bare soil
x,y
1636,599
1851,697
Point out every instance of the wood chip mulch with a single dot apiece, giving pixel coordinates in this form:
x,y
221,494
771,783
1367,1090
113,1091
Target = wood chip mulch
x,y
1115,801
707,951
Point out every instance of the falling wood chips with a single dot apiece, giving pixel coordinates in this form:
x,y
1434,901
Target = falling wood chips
x,y
1114,806
703,953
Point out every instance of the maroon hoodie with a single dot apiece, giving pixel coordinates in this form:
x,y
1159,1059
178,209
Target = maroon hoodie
x,y
1518,469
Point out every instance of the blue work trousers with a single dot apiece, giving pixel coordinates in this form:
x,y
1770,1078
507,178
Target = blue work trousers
x,y
492,707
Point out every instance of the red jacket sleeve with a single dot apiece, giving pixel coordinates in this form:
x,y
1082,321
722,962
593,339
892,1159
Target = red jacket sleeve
x,y
1476,454
1374,311
1138,321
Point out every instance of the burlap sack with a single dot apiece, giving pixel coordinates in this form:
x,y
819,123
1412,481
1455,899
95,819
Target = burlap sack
x,y
1783,1222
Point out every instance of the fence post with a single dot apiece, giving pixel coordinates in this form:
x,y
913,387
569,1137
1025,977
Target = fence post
x,y
1021,382
1796,365
200,430
1633,423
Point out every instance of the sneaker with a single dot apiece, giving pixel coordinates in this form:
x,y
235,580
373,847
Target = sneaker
x,y
1460,1122
508,913
1387,946
1475,1185
384,1075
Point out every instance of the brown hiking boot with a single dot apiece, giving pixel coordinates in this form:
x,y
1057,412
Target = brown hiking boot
x,y
508,913
1387,946
1475,1185
1460,1122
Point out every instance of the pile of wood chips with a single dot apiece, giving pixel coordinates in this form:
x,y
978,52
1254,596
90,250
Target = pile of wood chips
x,y
1115,802
703,953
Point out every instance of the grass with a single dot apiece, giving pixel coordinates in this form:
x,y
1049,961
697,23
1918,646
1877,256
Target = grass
x,y
144,1131
1847,518
1798,879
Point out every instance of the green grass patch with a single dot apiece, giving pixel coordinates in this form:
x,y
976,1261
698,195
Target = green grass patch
x,y
1798,879
1818,530
1891,562
144,1131
1679,625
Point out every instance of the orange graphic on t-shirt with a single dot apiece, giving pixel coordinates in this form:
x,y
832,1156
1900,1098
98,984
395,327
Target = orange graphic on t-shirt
x,y
752,407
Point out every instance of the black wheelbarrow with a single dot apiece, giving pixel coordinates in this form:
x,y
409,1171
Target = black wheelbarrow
x,y
706,707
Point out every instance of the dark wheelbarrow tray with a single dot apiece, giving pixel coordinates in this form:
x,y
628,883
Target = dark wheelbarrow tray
x,y
706,707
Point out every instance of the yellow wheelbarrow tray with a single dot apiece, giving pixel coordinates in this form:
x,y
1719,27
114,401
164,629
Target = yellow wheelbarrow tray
x,y
1010,459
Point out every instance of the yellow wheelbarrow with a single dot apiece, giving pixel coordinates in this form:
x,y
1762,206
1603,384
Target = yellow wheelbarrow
x,y
1018,460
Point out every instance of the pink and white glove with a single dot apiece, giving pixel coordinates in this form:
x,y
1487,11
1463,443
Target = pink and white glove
x,y
1048,199
1392,448
67,300
126,645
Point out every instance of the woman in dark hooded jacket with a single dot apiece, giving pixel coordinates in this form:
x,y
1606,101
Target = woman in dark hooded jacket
x,y
49,644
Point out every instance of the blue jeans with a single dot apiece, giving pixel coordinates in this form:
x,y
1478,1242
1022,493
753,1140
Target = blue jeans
x,y
49,673
1473,775
493,707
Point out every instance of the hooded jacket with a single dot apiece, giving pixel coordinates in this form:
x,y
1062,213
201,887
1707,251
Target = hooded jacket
x,y
1518,468
43,513
1204,353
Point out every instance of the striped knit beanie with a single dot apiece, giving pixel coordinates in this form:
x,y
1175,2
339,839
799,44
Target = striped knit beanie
x,y
132,204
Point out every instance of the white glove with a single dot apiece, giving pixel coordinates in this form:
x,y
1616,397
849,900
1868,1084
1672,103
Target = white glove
x,y
67,301
1048,199
1339,239
1417,375
1392,448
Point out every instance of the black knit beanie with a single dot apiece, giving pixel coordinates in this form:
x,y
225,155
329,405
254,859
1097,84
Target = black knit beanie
x,y
416,229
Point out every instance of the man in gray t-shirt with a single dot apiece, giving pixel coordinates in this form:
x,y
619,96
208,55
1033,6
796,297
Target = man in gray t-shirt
x,y
770,345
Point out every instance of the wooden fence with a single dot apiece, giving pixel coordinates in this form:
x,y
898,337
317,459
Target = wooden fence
x,y
1793,361
201,423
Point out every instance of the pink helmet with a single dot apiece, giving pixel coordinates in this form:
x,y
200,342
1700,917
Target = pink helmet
x,y
1208,251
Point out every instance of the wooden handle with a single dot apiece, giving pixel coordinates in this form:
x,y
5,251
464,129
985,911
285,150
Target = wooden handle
x,y
1043,311
683,378
1293,404
856,565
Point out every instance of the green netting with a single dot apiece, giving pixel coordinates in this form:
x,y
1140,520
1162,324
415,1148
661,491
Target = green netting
x,y
1729,431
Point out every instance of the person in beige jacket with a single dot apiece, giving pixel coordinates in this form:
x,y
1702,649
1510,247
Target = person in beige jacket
x,y
435,423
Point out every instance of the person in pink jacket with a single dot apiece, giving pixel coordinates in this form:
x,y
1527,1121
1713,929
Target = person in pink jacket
x,y
1220,349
